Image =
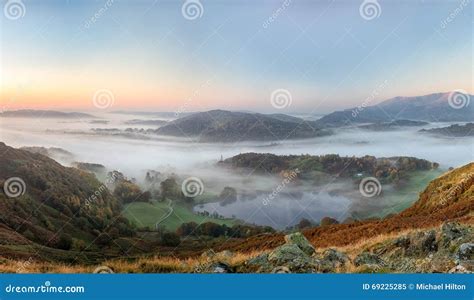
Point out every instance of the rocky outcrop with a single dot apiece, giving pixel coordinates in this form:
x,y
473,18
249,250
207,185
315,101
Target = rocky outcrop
x,y
300,241
448,248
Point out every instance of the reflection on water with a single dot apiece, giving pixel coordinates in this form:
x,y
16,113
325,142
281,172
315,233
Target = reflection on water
x,y
284,210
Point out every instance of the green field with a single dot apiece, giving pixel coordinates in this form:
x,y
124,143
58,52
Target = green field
x,y
400,199
148,214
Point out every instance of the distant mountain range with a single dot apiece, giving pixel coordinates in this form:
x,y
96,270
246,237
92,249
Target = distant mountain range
x,y
33,113
439,107
233,126
158,114
227,126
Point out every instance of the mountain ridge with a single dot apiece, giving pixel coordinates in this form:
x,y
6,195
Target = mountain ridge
x,y
34,113
229,126
436,107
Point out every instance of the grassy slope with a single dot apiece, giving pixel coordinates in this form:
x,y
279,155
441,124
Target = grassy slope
x,y
400,199
148,214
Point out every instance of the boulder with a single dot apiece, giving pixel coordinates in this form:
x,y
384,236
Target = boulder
x,y
300,241
292,257
422,243
402,241
281,270
367,258
459,269
221,267
428,242
330,260
450,232
286,253
208,254
466,251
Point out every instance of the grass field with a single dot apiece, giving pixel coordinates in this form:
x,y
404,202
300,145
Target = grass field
x,y
148,214
404,197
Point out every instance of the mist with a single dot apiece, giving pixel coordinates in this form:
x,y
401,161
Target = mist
x,y
135,154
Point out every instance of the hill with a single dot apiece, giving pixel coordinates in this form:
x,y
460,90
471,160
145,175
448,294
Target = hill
x,y
47,207
55,153
454,130
439,107
387,169
32,113
394,125
227,126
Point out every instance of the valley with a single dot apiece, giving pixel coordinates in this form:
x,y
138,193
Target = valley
x,y
143,192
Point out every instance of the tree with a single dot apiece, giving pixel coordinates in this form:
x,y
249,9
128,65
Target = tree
x,y
170,189
170,239
304,223
187,229
328,221
64,242
128,192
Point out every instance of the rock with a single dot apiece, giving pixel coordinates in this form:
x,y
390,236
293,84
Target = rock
x,y
367,258
258,264
226,254
369,269
286,253
292,257
451,232
402,241
466,251
300,241
281,270
428,242
337,258
459,269
423,243
330,260
259,260
208,254
221,268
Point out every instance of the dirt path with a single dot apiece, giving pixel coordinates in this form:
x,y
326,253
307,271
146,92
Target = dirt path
x,y
170,212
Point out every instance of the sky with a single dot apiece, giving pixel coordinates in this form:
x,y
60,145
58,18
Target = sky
x,y
239,55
